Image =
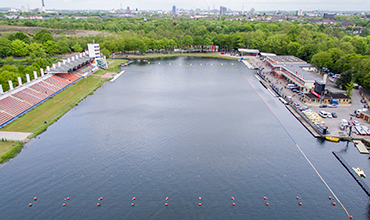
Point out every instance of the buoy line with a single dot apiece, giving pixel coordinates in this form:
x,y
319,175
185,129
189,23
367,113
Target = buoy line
x,y
313,167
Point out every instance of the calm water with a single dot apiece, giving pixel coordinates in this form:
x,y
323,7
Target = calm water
x,y
180,128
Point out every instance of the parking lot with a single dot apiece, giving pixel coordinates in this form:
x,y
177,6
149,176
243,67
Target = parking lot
x,y
343,111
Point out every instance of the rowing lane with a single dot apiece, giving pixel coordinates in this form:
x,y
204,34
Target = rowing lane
x,y
308,160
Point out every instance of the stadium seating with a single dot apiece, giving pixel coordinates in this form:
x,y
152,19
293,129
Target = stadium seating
x,y
13,106
27,97
4,117
57,81
68,76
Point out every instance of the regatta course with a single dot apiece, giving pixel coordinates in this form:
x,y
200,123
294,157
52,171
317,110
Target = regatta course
x,y
182,138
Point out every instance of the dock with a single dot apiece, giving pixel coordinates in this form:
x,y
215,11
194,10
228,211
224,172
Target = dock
x,y
358,179
116,76
360,147
248,64
304,123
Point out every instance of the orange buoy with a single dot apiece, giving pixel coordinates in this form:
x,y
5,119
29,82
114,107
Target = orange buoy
x,y
297,197
132,204
166,204
64,204
101,198
35,198
300,203
334,203
329,197
350,217
232,198
166,198
30,204
133,198
267,203
200,204
264,198
97,204
200,198
67,198
233,203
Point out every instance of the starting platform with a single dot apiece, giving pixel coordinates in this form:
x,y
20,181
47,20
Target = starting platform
x,y
360,147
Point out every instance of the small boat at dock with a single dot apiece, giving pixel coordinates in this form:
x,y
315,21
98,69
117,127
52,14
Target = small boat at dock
x,y
360,172
334,139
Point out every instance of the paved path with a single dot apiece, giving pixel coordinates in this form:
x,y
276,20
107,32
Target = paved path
x,y
15,136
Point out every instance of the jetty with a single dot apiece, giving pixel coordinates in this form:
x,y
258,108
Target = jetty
x,y
360,147
248,64
116,76
358,179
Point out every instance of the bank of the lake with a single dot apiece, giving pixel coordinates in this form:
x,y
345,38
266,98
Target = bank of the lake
x,y
169,55
39,119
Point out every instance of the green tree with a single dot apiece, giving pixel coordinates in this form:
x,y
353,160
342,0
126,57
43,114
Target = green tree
x,y
187,41
43,36
105,52
349,89
19,48
63,47
51,47
322,59
77,48
5,47
293,48
37,49
306,52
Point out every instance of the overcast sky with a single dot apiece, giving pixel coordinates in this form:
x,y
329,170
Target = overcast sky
x,y
259,5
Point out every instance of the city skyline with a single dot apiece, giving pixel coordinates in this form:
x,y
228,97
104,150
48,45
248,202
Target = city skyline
x,y
235,5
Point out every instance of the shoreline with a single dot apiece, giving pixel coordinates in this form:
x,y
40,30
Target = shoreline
x,y
37,122
159,55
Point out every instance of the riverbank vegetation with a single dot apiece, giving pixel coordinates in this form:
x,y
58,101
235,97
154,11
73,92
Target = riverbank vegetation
x,y
333,46
9,149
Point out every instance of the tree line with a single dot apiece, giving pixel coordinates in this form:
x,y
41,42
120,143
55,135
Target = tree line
x,y
323,45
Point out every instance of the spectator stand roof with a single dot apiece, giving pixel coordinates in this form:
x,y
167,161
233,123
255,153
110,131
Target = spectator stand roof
x,y
70,64
252,51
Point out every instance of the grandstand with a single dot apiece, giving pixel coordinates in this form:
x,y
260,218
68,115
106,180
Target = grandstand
x,y
25,97
68,76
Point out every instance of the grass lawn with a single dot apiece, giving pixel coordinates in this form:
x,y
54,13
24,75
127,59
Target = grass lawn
x,y
5,147
9,150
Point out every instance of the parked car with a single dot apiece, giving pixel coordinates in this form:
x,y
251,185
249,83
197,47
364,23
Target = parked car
x,y
334,115
303,108
363,101
323,106
332,106
296,104
300,93
294,90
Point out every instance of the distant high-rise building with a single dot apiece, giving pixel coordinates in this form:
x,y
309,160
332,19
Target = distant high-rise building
x,y
128,8
299,12
223,10
252,12
174,10
43,6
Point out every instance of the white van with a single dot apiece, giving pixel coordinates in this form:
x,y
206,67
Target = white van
x,y
290,86
325,114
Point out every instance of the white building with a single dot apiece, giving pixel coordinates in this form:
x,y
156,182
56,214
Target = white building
x,y
94,50
296,71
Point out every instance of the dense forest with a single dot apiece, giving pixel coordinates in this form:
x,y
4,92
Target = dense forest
x,y
327,46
